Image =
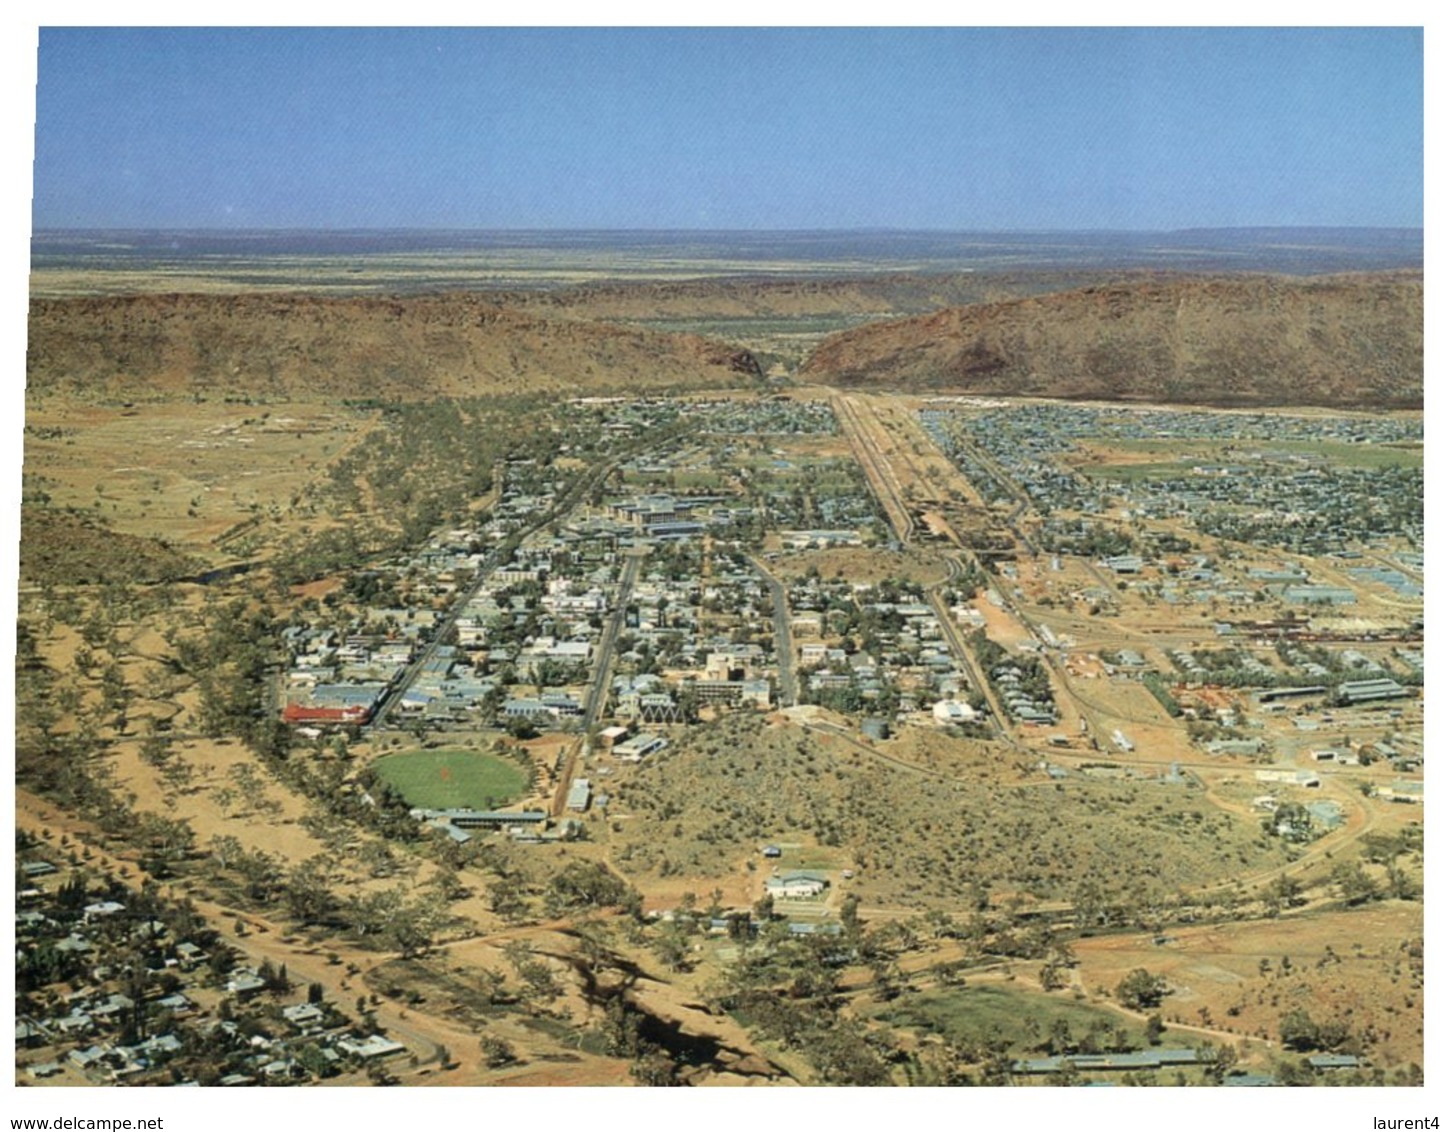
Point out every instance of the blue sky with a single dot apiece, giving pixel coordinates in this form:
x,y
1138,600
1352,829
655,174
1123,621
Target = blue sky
x,y
729,128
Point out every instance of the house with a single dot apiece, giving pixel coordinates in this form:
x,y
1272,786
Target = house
x,y
188,955
29,1034
280,1069
1293,777
947,712
641,746
373,1046
177,1003
303,1015
89,1057
244,984
1404,791
794,886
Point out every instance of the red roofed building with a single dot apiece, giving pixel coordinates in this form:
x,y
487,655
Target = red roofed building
x,y
307,713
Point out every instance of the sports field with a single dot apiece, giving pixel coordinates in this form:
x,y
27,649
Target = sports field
x,y
453,779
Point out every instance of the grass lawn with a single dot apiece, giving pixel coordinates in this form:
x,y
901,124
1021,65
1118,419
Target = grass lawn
x,y
962,1013
453,779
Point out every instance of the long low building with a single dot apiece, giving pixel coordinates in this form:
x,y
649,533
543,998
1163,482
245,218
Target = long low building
x,y
472,819
1269,695
311,713
579,794
1368,691
1134,1060
795,885
1318,595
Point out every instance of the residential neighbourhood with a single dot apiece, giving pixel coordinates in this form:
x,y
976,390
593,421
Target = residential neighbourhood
x,y
137,989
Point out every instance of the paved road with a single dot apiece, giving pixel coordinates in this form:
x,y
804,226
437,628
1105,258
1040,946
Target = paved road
x,y
784,649
410,673
598,687
967,662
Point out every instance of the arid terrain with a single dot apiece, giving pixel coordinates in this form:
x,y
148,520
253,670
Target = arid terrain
x,y
909,677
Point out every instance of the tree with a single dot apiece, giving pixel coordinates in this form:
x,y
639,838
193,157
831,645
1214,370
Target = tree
x,y
177,773
1059,1037
155,748
619,1029
1400,884
587,884
1217,1060
1153,1031
1298,1030
537,977
505,899
1291,821
672,947
1052,976
1286,891
1355,885
496,1052
653,1068
1140,990
309,889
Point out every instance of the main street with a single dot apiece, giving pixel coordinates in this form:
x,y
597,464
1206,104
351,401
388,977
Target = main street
x,y
784,649
579,748
604,661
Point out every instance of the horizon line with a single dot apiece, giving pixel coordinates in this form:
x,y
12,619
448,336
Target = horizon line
x,y
867,229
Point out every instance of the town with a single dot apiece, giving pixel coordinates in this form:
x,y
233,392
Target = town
x,y
630,669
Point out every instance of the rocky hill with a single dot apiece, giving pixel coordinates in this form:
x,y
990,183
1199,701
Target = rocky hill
x,y
1346,341
769,297
299,345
